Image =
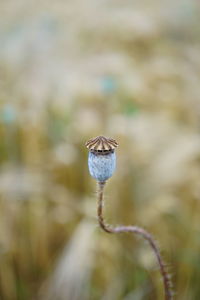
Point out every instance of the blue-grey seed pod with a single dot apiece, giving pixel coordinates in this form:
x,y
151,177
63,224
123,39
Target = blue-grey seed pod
x,y
102,158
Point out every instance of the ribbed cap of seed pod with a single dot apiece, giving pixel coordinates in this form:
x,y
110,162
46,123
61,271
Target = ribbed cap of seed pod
x,y
101,144
102,157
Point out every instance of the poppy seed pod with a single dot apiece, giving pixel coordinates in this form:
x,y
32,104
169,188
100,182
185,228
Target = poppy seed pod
x,y
102,158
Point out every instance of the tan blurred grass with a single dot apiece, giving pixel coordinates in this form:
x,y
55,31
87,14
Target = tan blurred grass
x,y
73,70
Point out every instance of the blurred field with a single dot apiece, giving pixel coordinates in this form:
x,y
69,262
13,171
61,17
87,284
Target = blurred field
x,y
71,70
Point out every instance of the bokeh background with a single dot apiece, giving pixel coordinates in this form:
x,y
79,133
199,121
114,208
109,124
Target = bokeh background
x,y
72,70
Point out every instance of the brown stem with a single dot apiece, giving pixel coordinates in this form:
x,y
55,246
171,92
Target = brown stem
x,y
139,231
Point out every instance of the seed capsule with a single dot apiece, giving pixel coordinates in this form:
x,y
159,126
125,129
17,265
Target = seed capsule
x,y
102,158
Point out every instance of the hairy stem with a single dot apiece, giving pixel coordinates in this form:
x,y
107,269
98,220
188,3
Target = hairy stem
x,y
139,231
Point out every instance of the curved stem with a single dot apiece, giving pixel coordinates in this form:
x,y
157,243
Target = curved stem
x,y
139,231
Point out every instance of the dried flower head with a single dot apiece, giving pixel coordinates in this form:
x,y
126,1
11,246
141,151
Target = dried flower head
x,y
102,158
101,144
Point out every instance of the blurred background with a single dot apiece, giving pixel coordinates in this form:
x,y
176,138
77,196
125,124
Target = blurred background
x,y
72,70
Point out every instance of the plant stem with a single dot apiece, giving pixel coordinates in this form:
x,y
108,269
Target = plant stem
x,y
139,231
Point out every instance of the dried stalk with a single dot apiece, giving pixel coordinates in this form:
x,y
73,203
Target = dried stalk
x,y
139,231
